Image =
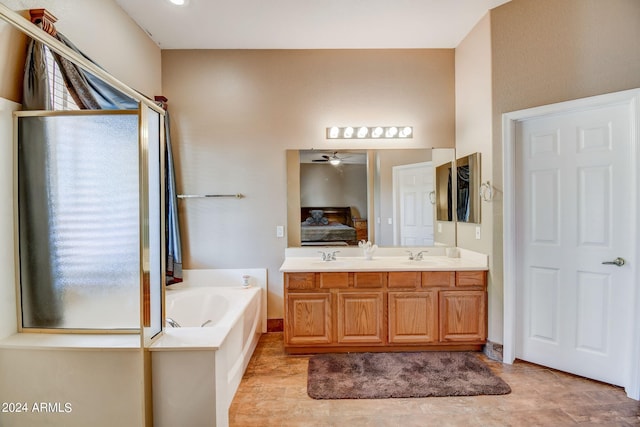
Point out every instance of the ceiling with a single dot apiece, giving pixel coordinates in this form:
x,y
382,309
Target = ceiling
x,y
308,24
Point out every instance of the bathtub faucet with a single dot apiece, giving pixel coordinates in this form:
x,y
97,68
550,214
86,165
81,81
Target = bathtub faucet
x,y
172,323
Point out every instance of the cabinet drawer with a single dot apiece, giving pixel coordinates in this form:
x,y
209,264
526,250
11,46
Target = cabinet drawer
x,y
471,278
404,279
334,280
438,278
300,280
369,280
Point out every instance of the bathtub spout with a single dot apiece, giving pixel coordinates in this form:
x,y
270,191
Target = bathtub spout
x,y
172,323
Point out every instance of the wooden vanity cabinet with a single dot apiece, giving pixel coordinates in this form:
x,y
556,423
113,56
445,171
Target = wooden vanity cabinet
x,y
385,311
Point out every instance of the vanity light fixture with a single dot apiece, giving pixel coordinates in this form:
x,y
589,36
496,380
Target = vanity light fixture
x,y
372,132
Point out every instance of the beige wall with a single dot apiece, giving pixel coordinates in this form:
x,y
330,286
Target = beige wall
x,y
473,134
235,113
99,28
547,51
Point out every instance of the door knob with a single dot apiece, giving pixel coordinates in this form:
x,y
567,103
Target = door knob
x,y
618,261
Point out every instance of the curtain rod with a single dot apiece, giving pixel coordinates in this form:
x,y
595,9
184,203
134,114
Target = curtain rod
x,y
54,44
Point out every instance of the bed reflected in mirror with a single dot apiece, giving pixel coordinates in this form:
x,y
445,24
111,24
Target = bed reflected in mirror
x,y
333,197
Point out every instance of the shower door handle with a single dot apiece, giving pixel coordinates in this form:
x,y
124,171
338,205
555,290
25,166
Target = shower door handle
x,y
618,262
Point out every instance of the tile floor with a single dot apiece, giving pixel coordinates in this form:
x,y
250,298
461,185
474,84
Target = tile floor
x,y
273,392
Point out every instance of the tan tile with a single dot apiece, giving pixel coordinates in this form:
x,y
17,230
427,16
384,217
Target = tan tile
x,y
273,393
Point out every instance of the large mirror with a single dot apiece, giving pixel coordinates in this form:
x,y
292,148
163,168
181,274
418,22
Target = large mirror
x,y
387,196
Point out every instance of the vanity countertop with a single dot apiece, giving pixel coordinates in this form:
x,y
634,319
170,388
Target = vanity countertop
x,y
467,261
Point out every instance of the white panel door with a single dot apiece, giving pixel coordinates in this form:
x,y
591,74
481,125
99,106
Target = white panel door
x,y
414,211
574,212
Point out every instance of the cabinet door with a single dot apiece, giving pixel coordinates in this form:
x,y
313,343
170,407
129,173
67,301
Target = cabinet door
x,y
360,317
463,316
308,319
413,317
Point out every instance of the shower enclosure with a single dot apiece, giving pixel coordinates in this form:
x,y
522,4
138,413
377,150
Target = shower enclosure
x,y
89,220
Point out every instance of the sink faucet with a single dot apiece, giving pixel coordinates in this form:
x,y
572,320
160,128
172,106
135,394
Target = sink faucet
x,y
172,322
328,256
417,256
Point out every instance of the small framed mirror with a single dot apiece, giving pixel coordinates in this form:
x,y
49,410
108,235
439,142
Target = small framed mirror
x,y
468,188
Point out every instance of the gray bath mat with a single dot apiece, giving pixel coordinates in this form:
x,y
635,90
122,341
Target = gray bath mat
x,y
389,375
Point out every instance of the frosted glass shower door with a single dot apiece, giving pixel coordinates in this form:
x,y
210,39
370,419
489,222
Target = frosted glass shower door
x,y
79,220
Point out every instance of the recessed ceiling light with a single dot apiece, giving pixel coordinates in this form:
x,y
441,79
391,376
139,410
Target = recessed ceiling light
x,y
179,2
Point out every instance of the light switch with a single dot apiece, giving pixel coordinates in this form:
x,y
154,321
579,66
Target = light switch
x,y
389,221
478,232
280,231
439,227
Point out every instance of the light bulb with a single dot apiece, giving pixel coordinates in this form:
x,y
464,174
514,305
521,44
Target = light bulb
x,y
348,132
179,2
406,132
362,132
392,132
334,161
377,132
334,132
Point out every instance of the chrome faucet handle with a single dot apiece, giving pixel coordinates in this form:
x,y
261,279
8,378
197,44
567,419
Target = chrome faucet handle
x,y
411,257
418,256
333,255
172,322
323,255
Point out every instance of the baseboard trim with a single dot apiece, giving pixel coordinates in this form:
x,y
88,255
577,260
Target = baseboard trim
x,y
275,325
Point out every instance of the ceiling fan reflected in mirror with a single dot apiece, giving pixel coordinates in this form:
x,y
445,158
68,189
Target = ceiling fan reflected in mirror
x,y
332,159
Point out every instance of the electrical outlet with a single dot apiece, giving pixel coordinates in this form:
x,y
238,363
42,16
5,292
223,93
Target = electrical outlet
x,y
478,232
389,221
279,231
439,227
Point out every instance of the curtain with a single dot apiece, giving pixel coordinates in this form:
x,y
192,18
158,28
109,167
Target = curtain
x,y
90,92
173,247
36,258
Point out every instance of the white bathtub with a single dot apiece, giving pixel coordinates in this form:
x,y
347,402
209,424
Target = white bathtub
x,y
194,365
194,307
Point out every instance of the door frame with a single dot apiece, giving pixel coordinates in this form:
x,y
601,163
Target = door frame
x,y
630,98
396,196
